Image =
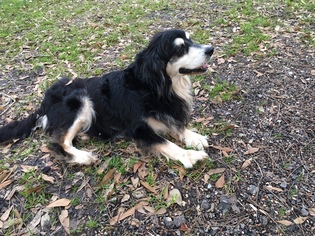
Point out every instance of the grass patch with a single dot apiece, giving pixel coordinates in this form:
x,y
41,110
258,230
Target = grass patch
x,y
221,91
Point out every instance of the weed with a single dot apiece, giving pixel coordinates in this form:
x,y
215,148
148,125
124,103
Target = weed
x,y
118,163
91,223
293,192
282,212
150,178
159,202
238,176
214,177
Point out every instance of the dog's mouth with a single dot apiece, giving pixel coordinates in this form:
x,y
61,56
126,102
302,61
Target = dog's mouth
x,y
199,70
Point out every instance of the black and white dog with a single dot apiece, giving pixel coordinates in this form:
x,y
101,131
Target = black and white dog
x,y
149,98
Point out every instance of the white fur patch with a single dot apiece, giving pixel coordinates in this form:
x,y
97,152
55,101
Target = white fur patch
x,y
187,35
181,85
187,157
179,42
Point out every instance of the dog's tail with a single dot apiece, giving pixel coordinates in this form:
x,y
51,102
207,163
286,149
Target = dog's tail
x,y
19,129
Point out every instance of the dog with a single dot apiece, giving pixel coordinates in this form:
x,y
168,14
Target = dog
x,y
149,99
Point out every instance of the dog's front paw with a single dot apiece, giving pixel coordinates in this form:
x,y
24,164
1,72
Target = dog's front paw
x,y
83,158
192,157
194,140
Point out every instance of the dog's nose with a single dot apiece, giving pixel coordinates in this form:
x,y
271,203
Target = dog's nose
x,y
209,50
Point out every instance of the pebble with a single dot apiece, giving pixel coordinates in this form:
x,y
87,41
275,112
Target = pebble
x,y
204,205
283,185
178,220
253,189
168,222
264,220
304,212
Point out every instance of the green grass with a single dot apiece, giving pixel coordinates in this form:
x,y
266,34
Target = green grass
x,y
92,37
91,223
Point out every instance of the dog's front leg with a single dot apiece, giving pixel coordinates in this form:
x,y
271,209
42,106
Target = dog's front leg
x,y
147,139
187,157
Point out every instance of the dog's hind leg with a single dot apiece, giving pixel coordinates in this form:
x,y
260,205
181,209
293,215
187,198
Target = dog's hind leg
x,y
81,123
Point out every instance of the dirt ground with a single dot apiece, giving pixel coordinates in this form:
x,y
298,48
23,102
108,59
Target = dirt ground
x,y
268,183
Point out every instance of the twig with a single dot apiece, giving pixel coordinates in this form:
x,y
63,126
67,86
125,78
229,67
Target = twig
x,y
9,103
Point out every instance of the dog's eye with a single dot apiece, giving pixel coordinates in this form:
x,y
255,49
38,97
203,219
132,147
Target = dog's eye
x,y
181,46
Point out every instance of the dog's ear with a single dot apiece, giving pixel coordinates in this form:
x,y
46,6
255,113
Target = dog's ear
x,y
150,69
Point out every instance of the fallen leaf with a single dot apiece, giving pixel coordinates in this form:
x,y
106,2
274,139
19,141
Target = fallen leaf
x,y
220,182
221,61
137,166
5,184
148,187
246,163
63,202
44,148
102,168
141,204
176,196
165,192
47,178
226,149
269,187
64,220
311,211
34,189
123,57
45,220
6,149
109,175
115,219
6,214
150,209
109,191
125,198
161,211
215,171
134,181
300,220
117,177
142,171
285,222
251,150
18,216
225,154
4,175
122,216
26,168
36,220
206,178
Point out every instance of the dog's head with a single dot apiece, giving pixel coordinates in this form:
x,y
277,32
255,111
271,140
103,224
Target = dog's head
x,y
171,53
180,53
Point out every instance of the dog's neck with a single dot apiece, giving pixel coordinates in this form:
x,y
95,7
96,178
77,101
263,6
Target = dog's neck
x,y
181,85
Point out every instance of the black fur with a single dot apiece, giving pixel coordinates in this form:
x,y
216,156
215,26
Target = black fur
x,y
122,100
